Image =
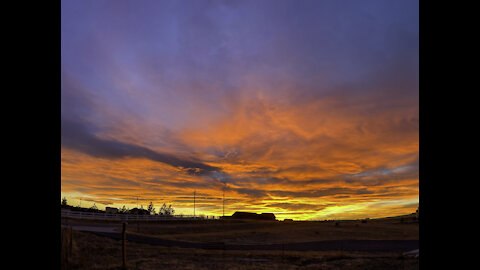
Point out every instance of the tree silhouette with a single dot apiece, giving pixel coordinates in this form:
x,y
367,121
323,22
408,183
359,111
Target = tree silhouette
x,y
167,211
151,209
64,201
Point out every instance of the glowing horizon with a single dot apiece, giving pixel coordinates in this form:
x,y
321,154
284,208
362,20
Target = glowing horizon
x,y
308,111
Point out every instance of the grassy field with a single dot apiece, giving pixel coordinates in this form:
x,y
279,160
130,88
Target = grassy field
x,y
265,232
90,251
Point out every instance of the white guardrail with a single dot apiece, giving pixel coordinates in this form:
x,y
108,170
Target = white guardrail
x,y
105,216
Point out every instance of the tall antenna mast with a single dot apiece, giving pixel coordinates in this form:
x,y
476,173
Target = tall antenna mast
x,y
225,184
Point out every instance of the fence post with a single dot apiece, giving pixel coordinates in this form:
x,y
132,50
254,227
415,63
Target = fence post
x,y
70,248
66,247
124,245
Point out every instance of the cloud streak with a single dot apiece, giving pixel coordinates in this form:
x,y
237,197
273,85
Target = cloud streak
x,y
74,136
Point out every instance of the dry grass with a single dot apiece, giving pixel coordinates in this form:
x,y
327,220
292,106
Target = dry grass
x,y
90,251
278,232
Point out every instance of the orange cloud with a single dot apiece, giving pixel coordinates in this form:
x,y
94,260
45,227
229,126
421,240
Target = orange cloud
x,y
277,157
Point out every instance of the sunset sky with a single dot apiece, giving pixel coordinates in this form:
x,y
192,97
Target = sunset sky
x,y
306,109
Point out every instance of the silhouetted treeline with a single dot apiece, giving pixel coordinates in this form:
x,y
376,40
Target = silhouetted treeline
x,y
163,211
78,208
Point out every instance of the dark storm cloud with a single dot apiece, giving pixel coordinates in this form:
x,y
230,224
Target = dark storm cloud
x,y
76,135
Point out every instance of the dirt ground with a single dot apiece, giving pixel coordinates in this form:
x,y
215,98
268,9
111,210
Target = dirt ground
x,y
91,251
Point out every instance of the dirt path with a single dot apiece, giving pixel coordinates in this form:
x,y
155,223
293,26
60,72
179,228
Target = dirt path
x,y
345,245
106,228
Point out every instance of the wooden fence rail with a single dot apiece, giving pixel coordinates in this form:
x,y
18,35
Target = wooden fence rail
x,y
127,217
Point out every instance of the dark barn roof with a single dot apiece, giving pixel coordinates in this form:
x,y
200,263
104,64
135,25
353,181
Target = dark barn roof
x,y
137,211
248,215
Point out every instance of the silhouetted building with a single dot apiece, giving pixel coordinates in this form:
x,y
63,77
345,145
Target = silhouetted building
x,y
248,215
111,210
136,211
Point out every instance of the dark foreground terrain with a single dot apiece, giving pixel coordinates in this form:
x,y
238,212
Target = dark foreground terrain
x,y
244,245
